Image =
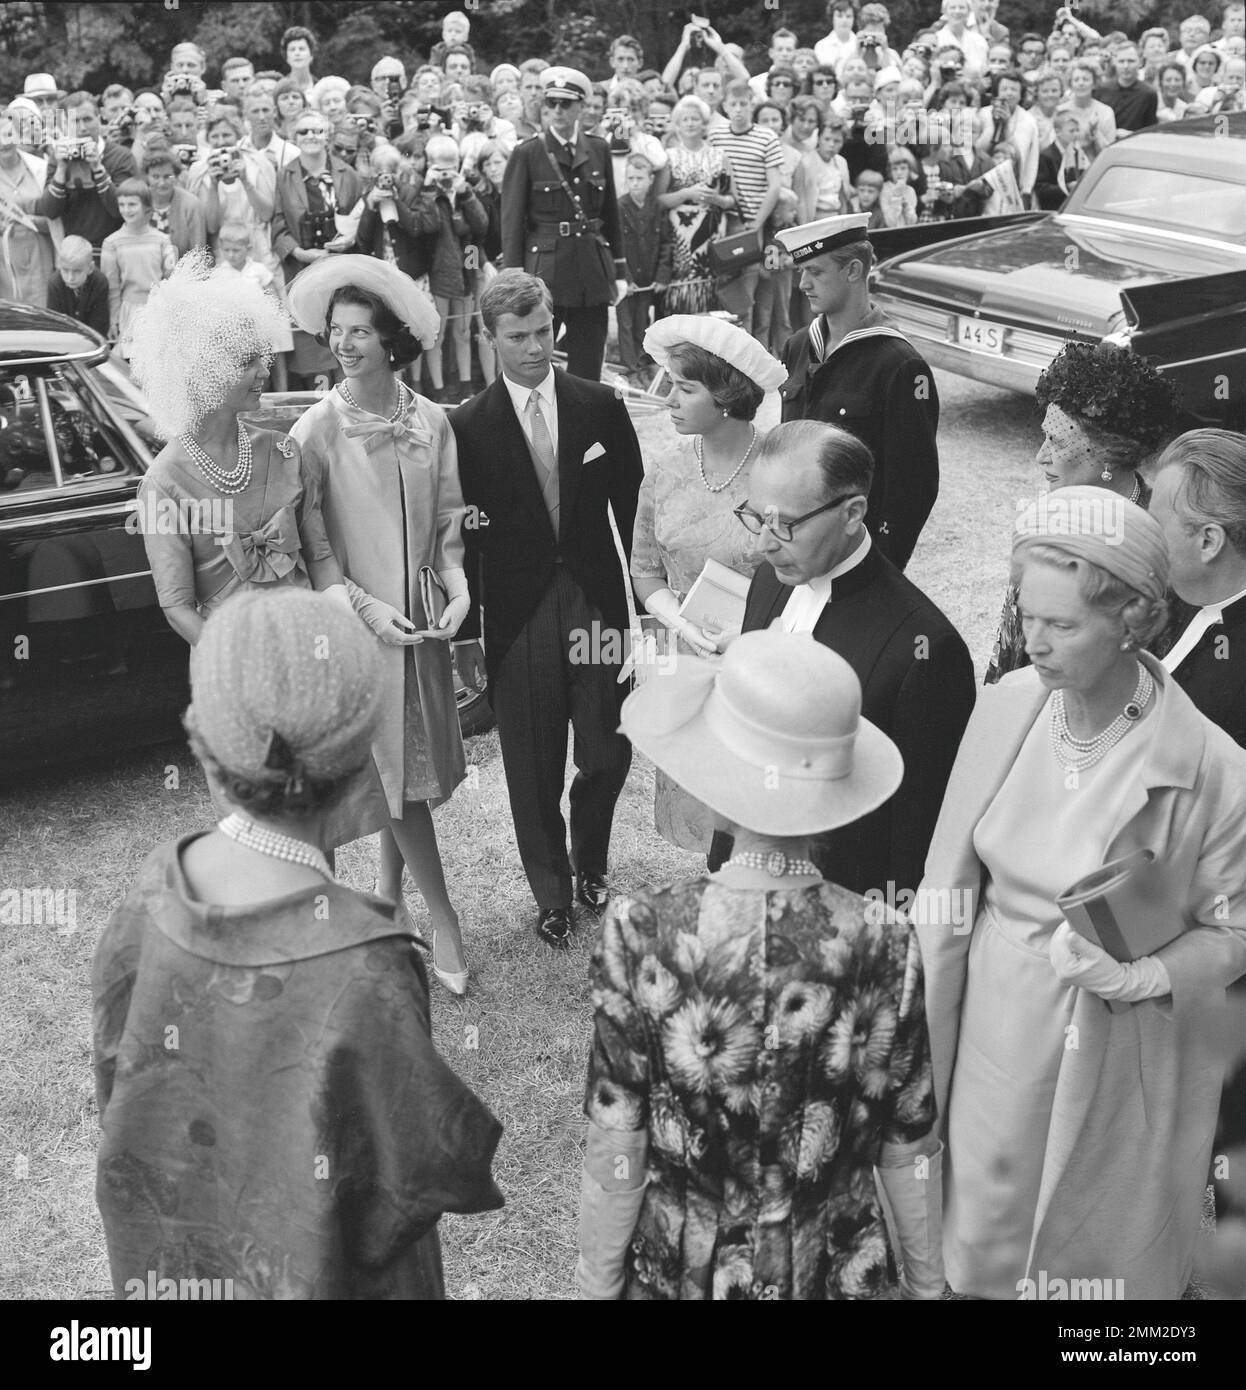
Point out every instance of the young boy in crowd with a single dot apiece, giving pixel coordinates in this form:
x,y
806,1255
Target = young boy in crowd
x,y
869,189
77,288
233,258
647,250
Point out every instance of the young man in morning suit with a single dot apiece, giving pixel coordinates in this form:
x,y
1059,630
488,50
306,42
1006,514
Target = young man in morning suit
x,y
544,457
852,368
560,219
824,574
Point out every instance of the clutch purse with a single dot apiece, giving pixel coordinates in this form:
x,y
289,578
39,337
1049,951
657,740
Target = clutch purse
x,y
433,596
730,254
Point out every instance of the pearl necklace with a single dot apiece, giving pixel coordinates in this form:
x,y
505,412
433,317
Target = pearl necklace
x,y
1077,754
231,483
776,864
722,487
272,843
399,409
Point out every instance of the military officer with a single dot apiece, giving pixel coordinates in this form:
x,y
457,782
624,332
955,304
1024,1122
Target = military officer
x,y
560,219
852,368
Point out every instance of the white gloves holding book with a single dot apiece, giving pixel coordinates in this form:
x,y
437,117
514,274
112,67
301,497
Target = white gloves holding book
x,y
665,607
1079,962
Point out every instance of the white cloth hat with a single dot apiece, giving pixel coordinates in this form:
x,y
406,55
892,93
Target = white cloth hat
x,y
817,238
566,82
41,84
885,75
311,290
724,340
771,737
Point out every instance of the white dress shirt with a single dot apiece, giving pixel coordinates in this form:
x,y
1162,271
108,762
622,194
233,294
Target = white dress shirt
x,y
1207,616
806,601
549,405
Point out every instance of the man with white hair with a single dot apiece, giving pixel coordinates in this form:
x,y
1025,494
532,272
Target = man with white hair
x,y
971,43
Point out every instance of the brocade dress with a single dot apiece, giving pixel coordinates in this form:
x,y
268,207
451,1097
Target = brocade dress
x,y
272,1109
770,1042
679,525
1036,839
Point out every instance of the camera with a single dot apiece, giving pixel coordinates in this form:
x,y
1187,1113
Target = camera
x,y
479,114
657,125
177,83
868,41
384,183
947,71
123,122
77,149
226,163
186,154
923,50
393,86
362,122
430,117
317,230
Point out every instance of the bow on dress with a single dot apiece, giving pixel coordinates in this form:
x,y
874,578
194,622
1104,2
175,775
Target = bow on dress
x,y
375,432
268,554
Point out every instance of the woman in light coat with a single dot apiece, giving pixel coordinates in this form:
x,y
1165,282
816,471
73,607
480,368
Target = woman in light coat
x,y
1078,1136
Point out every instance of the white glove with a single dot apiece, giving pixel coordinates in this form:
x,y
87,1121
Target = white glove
x,y
339,594
665,607
459,605
1079,962
395,629
917,1205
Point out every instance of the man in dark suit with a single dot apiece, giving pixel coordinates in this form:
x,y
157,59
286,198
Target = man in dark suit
x,y
824,574
1060,164
1200,502
544,457
560,219
853,368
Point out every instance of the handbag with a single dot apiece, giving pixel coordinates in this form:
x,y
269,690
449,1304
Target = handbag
x,y
433,596
728,255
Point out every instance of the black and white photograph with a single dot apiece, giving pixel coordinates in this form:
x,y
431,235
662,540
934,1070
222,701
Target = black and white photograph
x,y
623,663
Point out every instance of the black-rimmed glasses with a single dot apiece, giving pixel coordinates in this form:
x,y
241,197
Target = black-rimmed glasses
x,y
778,526
559,103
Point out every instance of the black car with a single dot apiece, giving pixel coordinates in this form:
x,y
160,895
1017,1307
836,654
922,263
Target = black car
x,y
88,664
1148,251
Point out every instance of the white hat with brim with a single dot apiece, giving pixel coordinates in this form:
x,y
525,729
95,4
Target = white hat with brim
x,y
311,290
884,77
771,737
724,340
41,84
566,82
827,234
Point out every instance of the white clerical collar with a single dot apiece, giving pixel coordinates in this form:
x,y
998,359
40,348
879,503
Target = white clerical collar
x,y
520,395
1209,615
844,566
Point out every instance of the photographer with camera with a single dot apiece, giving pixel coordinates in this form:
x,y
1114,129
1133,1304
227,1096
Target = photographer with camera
x,y
311,192
388,81
474,123
234,184
700,45
623,129
872,46
971,43
1006,121
82,190
26,254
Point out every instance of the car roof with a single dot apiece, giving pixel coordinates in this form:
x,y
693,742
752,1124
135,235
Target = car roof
x,y
1199,140
28,334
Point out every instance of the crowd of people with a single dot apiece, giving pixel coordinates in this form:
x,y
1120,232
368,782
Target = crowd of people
x,y
946,1008
431,168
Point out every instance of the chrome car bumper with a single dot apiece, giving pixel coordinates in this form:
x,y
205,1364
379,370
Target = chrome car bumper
x,y
1026,352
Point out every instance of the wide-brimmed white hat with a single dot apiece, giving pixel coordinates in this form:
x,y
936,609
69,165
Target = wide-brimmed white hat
x,y
41,84
771,737
311,290
724,340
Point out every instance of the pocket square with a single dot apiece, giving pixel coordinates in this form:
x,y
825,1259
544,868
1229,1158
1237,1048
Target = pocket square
x,y
594,453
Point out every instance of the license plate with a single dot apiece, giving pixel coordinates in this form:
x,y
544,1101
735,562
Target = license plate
x,y
978,336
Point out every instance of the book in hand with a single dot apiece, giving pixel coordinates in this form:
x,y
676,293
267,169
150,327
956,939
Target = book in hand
x,y
1109,905
715,603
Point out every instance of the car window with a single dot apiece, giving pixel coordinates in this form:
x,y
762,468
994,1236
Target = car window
x,y
127,404
1186,202
24,462
88,442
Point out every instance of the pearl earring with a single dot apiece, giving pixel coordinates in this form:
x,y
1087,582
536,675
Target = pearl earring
x,y
1127,645
1106,475
724,414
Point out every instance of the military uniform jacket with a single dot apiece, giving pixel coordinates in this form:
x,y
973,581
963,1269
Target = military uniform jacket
x,y
876,385
540,229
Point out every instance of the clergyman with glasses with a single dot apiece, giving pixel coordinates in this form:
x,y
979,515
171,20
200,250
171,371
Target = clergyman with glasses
x,y
823,573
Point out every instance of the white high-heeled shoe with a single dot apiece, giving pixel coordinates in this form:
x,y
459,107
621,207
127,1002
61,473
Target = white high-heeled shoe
x,y
454,980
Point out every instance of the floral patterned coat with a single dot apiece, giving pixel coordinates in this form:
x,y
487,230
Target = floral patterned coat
x,y
771,1042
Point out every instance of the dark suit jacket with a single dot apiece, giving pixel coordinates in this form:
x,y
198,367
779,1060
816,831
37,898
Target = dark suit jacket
x,y
1213,675
917,686
579,270
91,305
511,559
1047,191
291,204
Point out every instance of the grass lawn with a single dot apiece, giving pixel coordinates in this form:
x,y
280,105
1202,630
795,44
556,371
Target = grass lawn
x,y
520,1038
